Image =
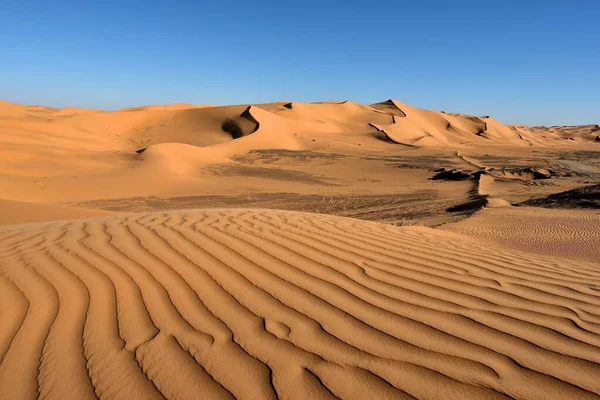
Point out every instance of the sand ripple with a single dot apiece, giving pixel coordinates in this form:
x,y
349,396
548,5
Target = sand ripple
x,y
266,304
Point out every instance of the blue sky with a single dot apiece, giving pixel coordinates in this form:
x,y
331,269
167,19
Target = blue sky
x,y
528,61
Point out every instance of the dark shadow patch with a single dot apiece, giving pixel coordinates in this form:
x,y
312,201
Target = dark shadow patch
x,y
443,174
586,197
233,128
470,206
241,126
527,173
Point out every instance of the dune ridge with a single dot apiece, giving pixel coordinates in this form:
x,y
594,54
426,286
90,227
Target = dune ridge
x,y
266,304
46,147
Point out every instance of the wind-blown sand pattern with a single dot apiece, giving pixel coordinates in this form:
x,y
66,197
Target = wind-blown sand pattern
x,y
561,233
266,304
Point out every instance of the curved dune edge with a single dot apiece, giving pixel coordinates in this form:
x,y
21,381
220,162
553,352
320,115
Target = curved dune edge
x,y
184,158
179,139
266,304
277,124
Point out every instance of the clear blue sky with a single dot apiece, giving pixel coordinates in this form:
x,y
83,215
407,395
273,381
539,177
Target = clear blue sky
x,y
528,61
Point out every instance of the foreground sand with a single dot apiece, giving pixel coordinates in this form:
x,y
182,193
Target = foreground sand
x,y
264,304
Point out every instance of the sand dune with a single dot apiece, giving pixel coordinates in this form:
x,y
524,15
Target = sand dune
x,y
581,132
46,148
265,304
138,258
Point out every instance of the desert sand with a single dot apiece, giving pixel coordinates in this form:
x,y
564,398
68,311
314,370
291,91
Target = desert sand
x,y
296,250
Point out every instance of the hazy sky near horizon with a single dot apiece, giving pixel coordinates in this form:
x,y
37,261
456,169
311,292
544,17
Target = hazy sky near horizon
x,y
529,61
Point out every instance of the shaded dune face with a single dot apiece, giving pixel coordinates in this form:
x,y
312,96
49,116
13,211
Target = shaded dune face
x,y
267,304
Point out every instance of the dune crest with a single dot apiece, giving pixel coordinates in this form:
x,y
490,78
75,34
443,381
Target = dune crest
x,y
56,138
269,133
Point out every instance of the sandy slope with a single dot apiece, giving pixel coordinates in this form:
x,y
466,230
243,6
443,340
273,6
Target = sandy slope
x,y
63,154
18,212
561,233
259,304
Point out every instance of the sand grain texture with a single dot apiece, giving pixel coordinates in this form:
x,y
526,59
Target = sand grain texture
x,y
558,232
274,304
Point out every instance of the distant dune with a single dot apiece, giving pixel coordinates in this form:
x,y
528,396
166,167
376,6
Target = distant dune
x,y
124,149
